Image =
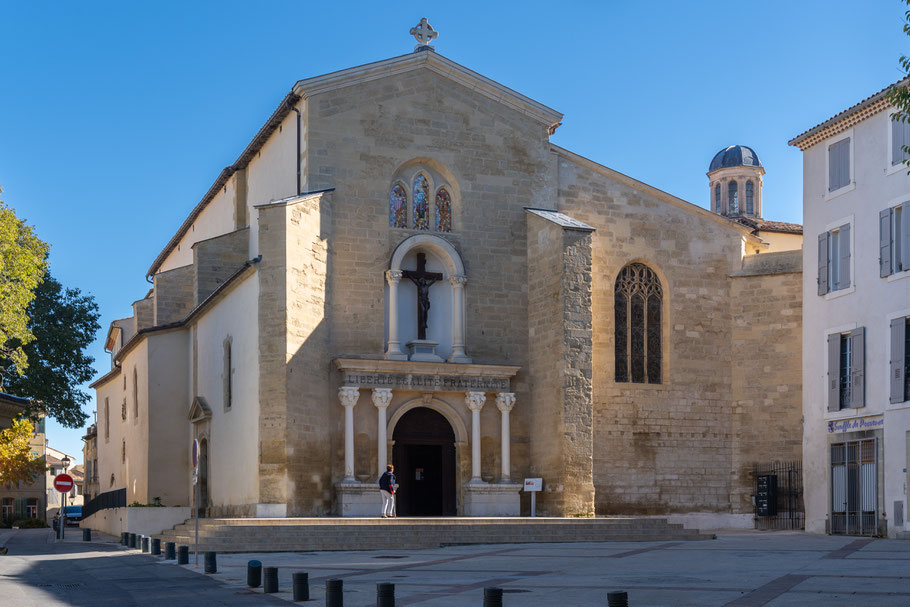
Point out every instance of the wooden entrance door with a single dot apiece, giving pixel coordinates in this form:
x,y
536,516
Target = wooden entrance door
x,y
424,460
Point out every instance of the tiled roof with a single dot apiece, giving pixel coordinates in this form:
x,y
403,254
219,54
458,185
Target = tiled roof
x,y
763,225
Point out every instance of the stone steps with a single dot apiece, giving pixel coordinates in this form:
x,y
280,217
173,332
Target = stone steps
x,y
296,535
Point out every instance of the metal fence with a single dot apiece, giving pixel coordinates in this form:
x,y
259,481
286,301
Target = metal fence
x,y
111,499
779,496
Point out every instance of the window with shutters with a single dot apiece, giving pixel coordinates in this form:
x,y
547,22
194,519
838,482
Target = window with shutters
x,y
732,198
834,260
638,302
899,373
839,165
894,240
846,370
900,140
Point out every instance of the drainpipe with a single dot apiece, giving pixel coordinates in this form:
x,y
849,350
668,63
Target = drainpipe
x,y
294,108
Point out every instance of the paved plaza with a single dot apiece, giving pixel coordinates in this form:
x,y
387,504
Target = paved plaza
x,y
739,569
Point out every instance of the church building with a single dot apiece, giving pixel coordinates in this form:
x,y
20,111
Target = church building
x,y
401,267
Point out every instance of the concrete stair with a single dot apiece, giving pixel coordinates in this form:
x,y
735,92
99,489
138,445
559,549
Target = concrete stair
x,y
317,534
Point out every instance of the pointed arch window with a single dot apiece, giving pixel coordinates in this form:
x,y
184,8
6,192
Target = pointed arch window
x,y
733,198
750,198
421,202
398,207
443,210
638,304
717,197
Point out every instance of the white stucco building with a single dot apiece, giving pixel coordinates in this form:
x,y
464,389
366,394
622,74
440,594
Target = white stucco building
x,y
856,298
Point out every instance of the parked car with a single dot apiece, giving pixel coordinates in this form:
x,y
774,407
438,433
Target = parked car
x,y
73,515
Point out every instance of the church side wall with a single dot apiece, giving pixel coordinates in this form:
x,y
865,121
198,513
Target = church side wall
x,y
767,375
217,218
659,448
357,138
233,434
174,294
217,259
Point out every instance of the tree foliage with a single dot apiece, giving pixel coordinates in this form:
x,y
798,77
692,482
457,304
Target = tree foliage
x,y
23,261
64,323
16,460
899,94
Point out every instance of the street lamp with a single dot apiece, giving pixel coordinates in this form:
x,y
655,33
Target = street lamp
x,y
66,462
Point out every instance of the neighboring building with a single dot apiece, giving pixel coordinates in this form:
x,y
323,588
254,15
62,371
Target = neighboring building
x,y
735,191
856,334
22,500
55,466
90,457
412,272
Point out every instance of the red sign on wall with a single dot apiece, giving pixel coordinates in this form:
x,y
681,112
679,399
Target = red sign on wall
x,y
63,483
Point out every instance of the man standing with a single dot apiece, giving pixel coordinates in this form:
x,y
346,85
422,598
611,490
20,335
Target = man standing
x,y
387,490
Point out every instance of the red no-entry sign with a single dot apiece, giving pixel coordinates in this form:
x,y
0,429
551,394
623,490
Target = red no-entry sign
x,y
63,483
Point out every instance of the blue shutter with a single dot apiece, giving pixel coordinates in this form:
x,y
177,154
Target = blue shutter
x,y
823,263
896,375
858,367
834,372
839,164
844,248
884,243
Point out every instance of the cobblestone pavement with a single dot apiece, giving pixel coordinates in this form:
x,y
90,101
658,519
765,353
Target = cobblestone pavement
x,y
39,571
739,569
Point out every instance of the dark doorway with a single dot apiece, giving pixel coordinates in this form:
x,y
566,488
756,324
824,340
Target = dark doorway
x,y
424,460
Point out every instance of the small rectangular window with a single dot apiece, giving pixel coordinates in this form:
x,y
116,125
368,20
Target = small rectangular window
x,y
839,164
894,240
846,370
834,260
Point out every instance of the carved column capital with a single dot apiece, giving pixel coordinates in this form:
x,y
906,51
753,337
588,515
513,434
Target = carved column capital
x,y
475,400
348,396
393,276
458,280
382,397
505,401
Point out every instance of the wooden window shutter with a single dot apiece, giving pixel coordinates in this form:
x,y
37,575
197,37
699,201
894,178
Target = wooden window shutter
x,y
839,164
897,140
823,263
832,168
834,372
844,247
896,375
884,243
905,236
858,367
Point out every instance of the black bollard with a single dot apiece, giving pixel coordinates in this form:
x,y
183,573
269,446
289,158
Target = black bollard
x,y
618,598
183,555
492,597
385,594
253,574
169,548
301,581
156,546
125,538
86,535
145,543
211,565
132,540
270,580
334,593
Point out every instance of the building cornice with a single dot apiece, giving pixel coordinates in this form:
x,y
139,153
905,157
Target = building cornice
x,y
364,365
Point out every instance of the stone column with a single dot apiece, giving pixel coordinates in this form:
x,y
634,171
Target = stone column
x,y
393,351
458,354
504,402
348,397
381,399
475,401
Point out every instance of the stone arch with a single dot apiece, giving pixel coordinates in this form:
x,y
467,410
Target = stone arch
x,y
443,408
443,249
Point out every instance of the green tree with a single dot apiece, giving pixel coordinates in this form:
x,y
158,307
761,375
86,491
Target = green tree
x,y
16,460
64,323
23,261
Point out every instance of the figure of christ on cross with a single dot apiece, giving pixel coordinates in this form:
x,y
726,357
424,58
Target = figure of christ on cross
x,y
424,280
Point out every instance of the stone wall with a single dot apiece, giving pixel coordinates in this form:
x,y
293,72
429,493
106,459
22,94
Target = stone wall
x,y
143,314
217,259
766,305
173,294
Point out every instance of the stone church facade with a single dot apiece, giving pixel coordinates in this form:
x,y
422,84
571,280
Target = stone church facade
x,y
637,352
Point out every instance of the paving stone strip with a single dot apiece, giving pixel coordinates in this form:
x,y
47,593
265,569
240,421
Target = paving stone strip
x,y
845,551
770,591
629,553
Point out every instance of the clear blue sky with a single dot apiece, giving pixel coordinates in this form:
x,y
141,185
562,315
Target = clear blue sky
x,y
116,117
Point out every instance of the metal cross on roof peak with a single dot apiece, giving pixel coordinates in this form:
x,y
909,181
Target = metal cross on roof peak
x,y
423,32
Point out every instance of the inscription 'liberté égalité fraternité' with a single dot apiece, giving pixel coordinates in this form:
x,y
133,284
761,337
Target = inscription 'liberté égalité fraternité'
x,y
414,381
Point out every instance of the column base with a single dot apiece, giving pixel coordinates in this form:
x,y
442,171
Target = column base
x,y
358,499
485,499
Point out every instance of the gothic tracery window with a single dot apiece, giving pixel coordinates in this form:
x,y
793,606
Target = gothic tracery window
x,y
421,202
398,207
443,210
638,301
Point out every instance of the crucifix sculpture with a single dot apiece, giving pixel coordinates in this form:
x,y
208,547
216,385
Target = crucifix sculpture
x,y
424,280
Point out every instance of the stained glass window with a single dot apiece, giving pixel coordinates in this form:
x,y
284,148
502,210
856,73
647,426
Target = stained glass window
x,y
398,207
421,202
443,211
638,301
